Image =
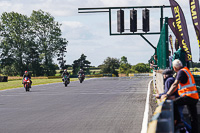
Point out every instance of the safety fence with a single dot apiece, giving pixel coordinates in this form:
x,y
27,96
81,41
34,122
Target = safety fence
x,y
163,118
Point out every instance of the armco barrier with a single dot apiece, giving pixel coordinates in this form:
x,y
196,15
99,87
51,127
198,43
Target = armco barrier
x,y
163,118
139,74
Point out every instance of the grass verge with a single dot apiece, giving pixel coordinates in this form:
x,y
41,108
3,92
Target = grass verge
x,y
18,83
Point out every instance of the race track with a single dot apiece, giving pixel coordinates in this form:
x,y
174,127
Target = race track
x,y
103,105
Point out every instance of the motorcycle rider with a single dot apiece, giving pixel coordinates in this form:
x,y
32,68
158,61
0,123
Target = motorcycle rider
x,y
26,74
81,72
65,73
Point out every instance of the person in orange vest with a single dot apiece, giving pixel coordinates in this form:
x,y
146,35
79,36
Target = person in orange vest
x,y
188,94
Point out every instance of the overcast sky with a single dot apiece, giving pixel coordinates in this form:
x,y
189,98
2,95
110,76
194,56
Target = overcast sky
x,y
89,33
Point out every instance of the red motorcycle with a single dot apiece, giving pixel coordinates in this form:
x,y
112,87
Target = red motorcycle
x,y
27,83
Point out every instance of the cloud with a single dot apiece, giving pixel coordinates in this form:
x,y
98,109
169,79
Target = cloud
x,y
5,3
68,7
116,2
72,24
75,30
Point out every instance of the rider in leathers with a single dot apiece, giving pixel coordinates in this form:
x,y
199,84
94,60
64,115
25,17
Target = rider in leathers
x,y
65,73
81,72
26,74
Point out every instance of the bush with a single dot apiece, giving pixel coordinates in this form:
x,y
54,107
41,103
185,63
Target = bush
x,y
140,68
9,70
109,65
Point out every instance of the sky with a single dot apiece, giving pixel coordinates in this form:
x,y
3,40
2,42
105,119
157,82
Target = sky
x,y
89,33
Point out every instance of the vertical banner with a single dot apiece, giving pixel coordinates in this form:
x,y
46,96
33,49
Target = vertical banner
x,y
194,8
171,43
171,23
180,23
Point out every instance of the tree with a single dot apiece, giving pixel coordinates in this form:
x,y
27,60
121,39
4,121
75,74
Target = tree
x,y
125,68
30,43
109,65
81,63
61,54
123,60
14,32
33,61
47,36
141,68
124,65
9,70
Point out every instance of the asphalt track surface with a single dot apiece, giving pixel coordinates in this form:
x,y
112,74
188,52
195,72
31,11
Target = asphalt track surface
x,y
104,105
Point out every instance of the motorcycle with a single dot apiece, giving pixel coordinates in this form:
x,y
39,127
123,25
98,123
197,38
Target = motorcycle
x,y
27,83
66,80
81,77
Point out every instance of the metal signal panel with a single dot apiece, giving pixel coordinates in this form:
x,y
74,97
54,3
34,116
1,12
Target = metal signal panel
x,y
120,21
133,20
145,20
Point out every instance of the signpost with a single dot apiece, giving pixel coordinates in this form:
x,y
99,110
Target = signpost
x,y
133,26
109,10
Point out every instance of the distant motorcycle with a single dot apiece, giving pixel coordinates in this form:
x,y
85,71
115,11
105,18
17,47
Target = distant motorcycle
x,y
27,83
66,80
81,77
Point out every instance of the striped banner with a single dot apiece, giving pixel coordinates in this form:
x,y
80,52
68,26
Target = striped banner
x,y
194,8
180,23
171,22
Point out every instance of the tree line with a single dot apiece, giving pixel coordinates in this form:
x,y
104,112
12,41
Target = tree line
x,y
110,65
30,43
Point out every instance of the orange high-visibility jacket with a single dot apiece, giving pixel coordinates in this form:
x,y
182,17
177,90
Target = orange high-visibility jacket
x,y
189,89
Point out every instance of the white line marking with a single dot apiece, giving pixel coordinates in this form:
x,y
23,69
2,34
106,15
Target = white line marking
x,y
146,112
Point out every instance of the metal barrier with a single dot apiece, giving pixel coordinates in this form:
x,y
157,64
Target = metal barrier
x,y
163,118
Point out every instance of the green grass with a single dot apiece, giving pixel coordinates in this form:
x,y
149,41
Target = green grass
x,y
18,83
